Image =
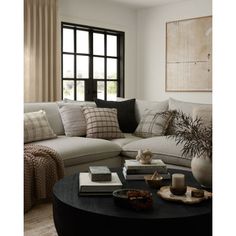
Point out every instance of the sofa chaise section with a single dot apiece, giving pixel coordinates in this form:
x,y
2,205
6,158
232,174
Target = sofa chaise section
x,y
162,147
79,152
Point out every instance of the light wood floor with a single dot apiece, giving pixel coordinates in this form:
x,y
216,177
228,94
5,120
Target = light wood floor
x,y
39,221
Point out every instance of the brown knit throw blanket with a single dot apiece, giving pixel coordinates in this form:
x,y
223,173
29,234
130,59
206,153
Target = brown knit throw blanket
x,y
42,168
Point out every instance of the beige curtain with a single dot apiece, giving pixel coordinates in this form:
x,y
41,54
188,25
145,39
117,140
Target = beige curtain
x,y
41,51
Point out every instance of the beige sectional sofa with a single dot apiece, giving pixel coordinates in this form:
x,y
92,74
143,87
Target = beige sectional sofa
x,y
80,152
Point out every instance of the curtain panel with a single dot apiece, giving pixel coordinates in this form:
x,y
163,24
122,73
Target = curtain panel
x,y
41,51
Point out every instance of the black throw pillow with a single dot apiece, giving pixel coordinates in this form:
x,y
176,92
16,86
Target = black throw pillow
x,y
125,113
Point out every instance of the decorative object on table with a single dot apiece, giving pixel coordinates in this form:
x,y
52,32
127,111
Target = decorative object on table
x,y
100,173
134,170
196,138
136,199
89,187
178,186
154,181
144,156
197,193
189,54
187,198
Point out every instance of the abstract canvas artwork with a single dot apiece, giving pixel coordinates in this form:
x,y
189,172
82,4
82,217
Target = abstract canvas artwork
x,y
189,55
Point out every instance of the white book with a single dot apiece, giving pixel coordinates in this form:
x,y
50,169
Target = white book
x,y
155,164
86,185
141,176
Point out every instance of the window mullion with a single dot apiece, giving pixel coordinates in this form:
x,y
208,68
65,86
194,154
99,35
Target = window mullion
x,y
89,89
105,66
75,66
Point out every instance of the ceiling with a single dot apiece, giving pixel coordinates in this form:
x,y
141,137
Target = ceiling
x,y
144,3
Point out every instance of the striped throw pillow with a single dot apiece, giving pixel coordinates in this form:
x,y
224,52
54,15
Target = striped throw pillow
x,y
153,123
37,127
73,119
102,123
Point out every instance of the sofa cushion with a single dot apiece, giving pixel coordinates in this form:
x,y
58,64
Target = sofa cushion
x,y
78,150
73,119
128,139
125,112
52,111
102,123
186,107
141,106
81,103
37,127
203,112
153,123
162,148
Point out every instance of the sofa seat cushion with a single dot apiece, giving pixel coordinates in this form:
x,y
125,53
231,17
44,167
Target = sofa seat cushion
x,y
78,150
162,148
128,139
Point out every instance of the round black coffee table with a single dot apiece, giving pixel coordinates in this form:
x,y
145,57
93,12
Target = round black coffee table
x,y
74,214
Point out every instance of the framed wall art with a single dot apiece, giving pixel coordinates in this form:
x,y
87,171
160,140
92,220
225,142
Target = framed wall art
x,y
189,55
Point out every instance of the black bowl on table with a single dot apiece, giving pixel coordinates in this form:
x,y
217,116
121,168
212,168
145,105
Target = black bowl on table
x,y
136,199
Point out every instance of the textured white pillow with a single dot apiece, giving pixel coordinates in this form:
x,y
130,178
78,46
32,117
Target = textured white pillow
x,y
73,119
37,127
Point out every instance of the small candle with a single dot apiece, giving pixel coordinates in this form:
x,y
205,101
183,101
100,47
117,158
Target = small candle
x,y
178,180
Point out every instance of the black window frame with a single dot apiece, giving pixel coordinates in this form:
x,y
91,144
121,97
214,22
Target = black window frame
x,y
90,83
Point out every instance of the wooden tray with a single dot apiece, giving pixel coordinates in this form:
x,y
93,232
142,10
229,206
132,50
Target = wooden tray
x,y
165,193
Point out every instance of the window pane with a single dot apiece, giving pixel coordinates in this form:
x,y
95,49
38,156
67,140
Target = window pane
x,y
100,90
111,90
68,66
80,90
98,44
111,68
68,40
82,66
68,89
82,39
111,45
98,68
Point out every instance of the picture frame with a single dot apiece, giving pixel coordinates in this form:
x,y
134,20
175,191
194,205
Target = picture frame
x,y
189,55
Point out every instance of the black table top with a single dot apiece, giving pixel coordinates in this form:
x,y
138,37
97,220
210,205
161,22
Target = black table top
x,y
66,190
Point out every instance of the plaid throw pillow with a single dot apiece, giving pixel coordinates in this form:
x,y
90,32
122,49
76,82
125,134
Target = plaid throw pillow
x,y
153,123
102,123
37,127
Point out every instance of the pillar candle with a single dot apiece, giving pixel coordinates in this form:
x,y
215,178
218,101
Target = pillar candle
x,y
178,180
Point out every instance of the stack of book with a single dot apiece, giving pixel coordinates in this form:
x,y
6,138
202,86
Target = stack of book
x,y
98,181
134,170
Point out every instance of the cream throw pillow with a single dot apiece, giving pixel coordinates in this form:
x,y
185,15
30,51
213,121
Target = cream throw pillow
x,y
102,123
37,127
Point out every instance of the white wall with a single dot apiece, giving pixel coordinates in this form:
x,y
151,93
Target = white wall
x,y
151,49
107,15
